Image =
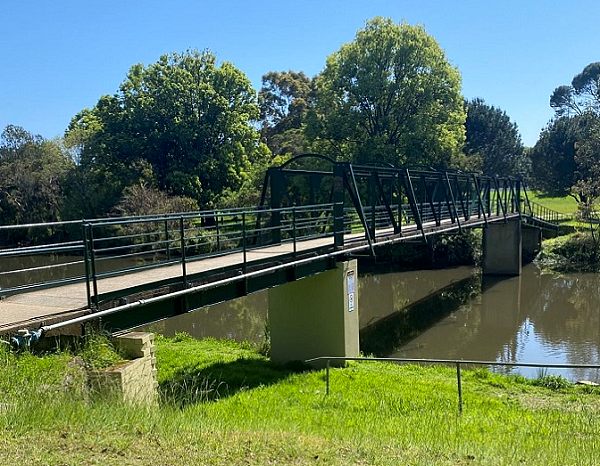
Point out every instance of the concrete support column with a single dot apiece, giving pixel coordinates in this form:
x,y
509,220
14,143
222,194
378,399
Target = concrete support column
x,y
316,316
502,251
532,243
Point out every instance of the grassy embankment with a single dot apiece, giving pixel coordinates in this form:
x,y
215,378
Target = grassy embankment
x,y
578,251
223,403
565,205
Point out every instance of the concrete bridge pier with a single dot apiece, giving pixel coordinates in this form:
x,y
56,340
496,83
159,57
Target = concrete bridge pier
x,y
532,242
316,316
502,248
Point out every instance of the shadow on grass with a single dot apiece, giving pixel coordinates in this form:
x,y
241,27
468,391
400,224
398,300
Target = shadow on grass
x,y
192,384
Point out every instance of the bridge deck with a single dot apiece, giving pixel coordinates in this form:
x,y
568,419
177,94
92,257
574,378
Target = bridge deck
x,y
62,302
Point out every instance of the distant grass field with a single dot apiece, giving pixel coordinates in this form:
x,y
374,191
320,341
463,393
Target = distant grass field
x,y
565,205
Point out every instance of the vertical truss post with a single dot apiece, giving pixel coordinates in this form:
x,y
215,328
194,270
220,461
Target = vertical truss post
x,y
338,191
430,196
499,199
387,202
412,200
86,260
452,202
93,264
277,187
398,184
481,207
355,196
518,196
373,202
460,197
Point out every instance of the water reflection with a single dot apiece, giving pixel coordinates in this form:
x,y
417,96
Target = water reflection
x,y
449,314
536,317
241,319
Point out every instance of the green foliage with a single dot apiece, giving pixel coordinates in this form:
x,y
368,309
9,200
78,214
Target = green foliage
x,y
577,251
98,352
494,139
553,157
566,156
583,95
390,95
32,173
284,100
553,382
184,117
461,249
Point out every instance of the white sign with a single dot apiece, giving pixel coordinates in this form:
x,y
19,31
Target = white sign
x,y
351,290
350,277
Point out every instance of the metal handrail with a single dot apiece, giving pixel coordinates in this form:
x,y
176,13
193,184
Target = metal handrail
x,y
456,362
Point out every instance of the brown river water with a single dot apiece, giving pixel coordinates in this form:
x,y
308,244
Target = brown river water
x,y
449,314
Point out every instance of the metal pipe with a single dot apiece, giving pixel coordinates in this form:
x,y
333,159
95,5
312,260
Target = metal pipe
x,y
467,362
327,376
458,382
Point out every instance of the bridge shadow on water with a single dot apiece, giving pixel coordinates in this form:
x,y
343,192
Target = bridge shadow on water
x,y
192,384
384,337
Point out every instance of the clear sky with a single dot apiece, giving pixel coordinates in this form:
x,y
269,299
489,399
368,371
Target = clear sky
x,y
58,57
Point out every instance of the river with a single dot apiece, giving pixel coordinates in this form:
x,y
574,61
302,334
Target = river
x,y
449,314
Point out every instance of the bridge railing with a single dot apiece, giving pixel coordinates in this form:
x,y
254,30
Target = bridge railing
x,y
61,253
542,213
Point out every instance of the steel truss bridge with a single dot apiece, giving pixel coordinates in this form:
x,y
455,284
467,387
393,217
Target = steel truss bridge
x,y
313,212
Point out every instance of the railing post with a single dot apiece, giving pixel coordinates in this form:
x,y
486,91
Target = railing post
x,y
217,231
294,229
277,187
373,202
183,258
327,377
93,265
338,205
86,261
244,240
167,240
458,381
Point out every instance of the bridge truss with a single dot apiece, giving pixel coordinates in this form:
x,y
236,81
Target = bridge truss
x,y
313,210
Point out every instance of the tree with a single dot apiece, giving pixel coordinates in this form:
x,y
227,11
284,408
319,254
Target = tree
x,y
493,138
582,95
587,158
32,173
390,95
284,100
568,150
182,124
555,169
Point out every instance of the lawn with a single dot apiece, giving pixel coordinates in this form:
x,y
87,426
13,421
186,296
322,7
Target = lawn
x,y
565,205
222,403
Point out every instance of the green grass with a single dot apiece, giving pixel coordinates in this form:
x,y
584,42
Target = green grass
x,y
565,205
259,413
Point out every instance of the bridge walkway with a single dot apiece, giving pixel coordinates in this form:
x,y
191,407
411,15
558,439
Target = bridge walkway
x,y
65,301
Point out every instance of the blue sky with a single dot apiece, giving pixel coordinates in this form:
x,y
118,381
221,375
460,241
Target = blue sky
x,y
59,57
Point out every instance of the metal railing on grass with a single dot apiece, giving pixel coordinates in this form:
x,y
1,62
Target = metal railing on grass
x,y
455,362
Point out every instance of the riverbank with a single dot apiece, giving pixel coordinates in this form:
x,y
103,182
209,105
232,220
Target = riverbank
x,y
575,252
223,403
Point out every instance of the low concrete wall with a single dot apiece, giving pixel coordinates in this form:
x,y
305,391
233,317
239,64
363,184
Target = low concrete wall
x,y
133,380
